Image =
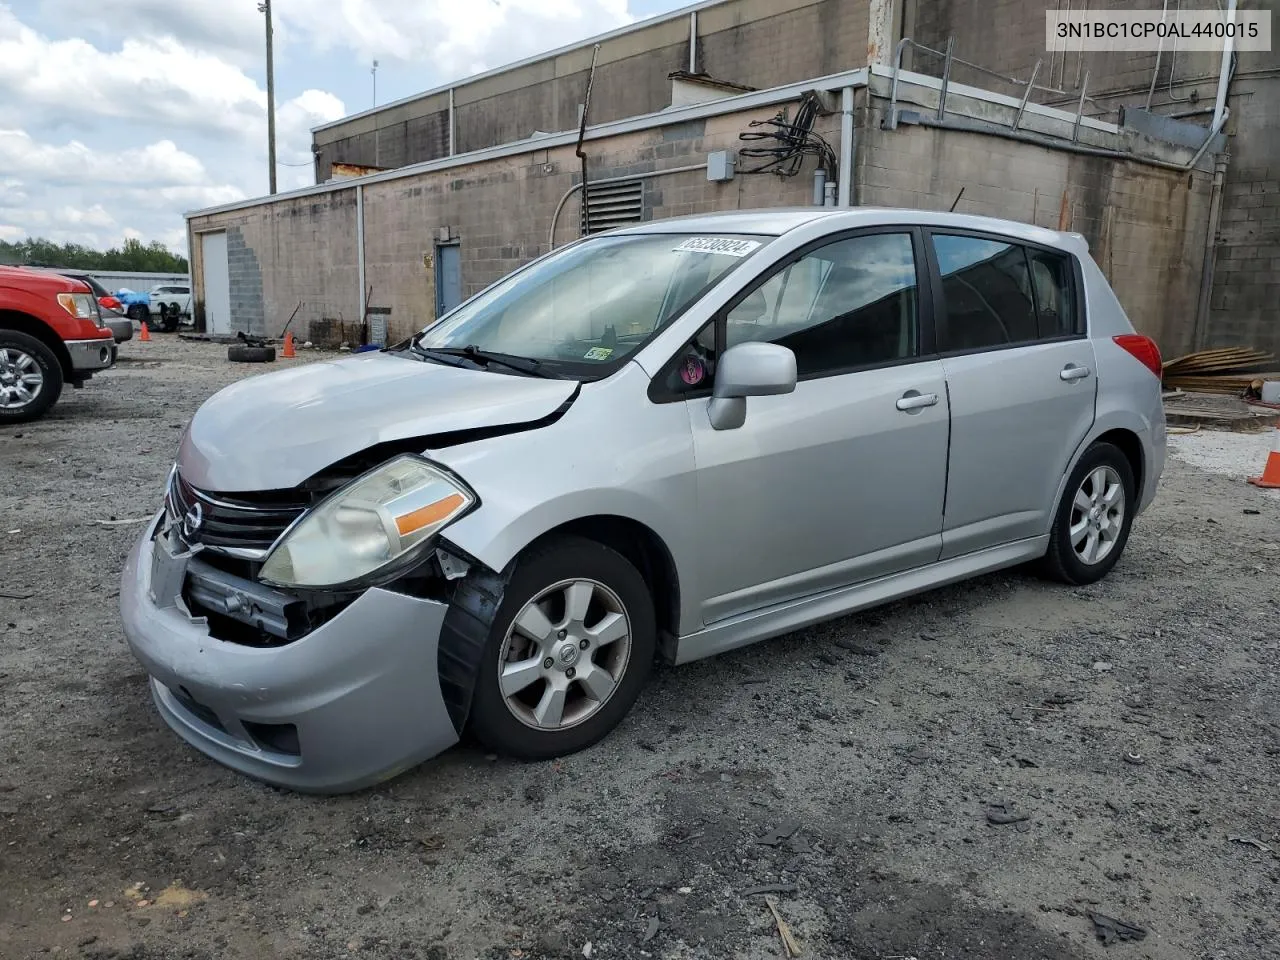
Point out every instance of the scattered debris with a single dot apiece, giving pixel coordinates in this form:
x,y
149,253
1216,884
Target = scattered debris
x,y
1025,762
769,888
652,929
789,944
120,523
178,896
15,596
586,949
1061,698
1238,371
1252,512
1110,930
1102,666
780,834
999,814
1136,759
1251,842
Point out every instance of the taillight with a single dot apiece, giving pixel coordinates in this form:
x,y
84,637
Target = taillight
x,y
1142,348
111,303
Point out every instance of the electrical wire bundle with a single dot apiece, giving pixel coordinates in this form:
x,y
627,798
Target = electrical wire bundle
x,y
792,142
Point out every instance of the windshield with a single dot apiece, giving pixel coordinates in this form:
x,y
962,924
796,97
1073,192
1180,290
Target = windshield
x,y
586,309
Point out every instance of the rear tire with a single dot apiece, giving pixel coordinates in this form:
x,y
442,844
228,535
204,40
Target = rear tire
x,y
138,313
23,357
600,677
1092,522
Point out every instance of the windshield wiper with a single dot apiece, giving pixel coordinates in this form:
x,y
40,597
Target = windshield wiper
x,y
436,356
485,357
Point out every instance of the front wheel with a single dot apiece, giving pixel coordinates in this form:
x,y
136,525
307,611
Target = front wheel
x,y
569,650
1091,526
30,377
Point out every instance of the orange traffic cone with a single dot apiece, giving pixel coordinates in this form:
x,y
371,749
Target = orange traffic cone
x,y
288,346
1271,472
145,335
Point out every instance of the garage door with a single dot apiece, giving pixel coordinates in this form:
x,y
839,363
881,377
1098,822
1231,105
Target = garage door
x,y
217,283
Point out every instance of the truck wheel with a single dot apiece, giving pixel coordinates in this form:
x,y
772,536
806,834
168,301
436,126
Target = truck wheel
x,y
242,354
30,377
138,313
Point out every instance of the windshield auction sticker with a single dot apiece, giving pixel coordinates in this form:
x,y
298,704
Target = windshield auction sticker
x,y
726,246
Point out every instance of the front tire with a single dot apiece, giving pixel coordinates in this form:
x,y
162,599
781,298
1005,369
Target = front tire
x,y
30,378
1092,523
569,650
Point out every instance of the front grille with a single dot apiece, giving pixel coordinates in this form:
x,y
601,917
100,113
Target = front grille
x,y
249,521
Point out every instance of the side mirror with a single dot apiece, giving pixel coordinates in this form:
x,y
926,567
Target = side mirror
x,y
749,370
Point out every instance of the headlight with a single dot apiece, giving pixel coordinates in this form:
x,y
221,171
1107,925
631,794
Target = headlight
x,y
81,305
367,525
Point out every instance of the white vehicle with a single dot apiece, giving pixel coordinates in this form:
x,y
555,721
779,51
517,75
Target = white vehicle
x,y
171,304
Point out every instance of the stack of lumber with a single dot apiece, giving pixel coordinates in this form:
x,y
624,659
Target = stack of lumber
x,y
1238,371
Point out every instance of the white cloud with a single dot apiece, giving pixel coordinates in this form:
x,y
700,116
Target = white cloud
x,y
74,162
455,38
11,232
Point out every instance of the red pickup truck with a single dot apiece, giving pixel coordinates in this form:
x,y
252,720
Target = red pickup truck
x,y
50,335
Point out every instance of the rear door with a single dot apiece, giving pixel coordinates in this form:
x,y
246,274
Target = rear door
x,y
1021,378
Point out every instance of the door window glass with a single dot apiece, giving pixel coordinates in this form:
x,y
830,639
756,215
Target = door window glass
x,y
988,292
1052,283
849,304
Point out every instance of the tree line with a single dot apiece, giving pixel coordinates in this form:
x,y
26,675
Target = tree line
x,y
133,256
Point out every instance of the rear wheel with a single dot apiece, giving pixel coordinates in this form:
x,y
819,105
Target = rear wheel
x,y
137,313
1092,524
569,650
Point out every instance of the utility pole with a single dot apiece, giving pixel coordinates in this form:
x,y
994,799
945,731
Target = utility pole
x,y
265,8
374,71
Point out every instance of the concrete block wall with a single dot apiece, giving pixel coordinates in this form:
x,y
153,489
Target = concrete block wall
x,y
756,43
300,249
500,212
1245,305
1145,225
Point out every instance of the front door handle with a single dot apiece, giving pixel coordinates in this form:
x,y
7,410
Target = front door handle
x,y
912,400
1073,372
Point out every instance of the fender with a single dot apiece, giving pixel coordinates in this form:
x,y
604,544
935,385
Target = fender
x,y
1105,422
613,454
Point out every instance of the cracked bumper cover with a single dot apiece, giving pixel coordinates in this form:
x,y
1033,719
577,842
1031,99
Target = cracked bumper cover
x,y
362,690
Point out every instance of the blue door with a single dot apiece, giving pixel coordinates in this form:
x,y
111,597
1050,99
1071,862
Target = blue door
x,y
448,278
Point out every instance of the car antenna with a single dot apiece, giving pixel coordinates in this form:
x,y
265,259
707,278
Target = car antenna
x,y
956,200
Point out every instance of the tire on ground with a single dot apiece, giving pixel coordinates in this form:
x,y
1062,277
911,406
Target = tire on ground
x,y
49,368
566,558
238,353
1060,561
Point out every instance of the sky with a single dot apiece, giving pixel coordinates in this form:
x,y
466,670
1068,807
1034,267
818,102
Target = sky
x,y
117,116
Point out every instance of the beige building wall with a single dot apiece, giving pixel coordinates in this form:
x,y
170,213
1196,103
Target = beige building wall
x,y
1145,225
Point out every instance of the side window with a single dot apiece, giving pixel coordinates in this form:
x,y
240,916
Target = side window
x,y
1052,280
988,292
852,303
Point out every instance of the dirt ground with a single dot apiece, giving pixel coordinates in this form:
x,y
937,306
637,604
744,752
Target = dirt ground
x,y
1135,724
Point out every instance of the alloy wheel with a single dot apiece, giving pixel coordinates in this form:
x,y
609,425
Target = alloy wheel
x,y
21,378
1097,515
564,654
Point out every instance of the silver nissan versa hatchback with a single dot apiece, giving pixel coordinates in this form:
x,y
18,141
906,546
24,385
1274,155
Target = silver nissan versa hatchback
x,y
666,441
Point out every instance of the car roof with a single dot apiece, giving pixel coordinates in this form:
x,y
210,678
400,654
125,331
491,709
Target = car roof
x,y
777,221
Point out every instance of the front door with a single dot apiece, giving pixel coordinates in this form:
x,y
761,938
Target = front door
x,y
1021,375
844,479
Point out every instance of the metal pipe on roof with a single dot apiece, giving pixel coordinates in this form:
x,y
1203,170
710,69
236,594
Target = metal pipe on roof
x,y
847,146
1155,73
453,126
1224,74
693,41
360,245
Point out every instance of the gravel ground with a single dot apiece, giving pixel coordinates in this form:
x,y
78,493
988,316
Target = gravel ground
x,y
1135,724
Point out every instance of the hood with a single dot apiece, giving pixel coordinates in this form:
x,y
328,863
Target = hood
x,y
272,432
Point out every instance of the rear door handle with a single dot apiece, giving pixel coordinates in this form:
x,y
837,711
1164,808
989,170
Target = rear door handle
x,y
912,400
1073,372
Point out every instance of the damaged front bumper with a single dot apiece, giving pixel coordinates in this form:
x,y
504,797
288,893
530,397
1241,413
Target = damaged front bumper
x,y
355,701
